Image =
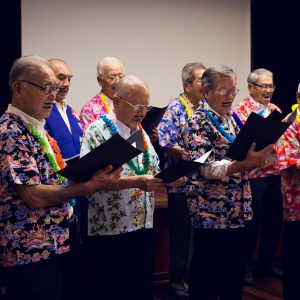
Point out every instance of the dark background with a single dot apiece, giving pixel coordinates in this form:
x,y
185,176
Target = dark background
x,y
275,34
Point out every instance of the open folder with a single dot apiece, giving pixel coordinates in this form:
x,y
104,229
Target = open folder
x,y
116,151
262,131
181,168
153,117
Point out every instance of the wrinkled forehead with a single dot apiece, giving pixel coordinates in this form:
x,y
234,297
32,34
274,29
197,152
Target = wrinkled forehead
x,y
43,74
112,68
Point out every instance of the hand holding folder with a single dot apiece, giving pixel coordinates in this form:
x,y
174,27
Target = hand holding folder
x,y
262,131
116,151
181,168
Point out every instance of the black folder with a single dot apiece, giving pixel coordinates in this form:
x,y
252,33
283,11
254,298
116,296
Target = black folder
x,y
153,117
116,151
262,131
181,168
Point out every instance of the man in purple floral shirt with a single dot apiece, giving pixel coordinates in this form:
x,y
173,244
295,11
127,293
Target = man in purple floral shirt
x,y
34,207
180,233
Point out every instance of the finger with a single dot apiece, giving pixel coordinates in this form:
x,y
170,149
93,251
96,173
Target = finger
x,y
252,147
268,149
108,169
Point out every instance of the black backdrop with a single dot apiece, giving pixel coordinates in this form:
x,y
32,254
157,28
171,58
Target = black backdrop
x,y
274,38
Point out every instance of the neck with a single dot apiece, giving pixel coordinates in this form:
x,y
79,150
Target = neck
x,y
191,99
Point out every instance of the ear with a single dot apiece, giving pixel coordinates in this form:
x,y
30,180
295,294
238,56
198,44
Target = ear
x,y
250,87
298,96
100,80
16,87
186,86
115,100
205,91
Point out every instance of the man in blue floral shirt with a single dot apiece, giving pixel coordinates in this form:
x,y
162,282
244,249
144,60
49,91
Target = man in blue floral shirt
x,y
169,129
34,207
218,194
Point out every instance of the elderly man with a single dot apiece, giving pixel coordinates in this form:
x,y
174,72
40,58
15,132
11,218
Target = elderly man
x,y
121,218
64,126
218,195
169,129
63,123
265,185
109,71
287,150
34,208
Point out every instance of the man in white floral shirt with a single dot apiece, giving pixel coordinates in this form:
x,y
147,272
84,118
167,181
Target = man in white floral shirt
x,y
121,218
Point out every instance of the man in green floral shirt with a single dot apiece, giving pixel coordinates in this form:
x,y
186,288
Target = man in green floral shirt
x,y
121,218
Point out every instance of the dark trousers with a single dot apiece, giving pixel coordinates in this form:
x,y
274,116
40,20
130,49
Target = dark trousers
x,y
291,271
74,264
121,266
267,220
218,263
180,237
35,281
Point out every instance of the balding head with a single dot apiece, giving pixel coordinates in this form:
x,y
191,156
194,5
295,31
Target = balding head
x,y
63,76
109,72
27,67
131,100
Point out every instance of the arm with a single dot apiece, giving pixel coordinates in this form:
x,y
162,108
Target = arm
x,y
40,195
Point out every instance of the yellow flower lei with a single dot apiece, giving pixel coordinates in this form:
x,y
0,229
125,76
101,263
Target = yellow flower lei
x,y
295,106
185,104
105,102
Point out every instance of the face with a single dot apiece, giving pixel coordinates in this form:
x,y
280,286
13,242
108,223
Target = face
x,y
261,91
221,98
32,99
194,89
124,110
63,76
111,75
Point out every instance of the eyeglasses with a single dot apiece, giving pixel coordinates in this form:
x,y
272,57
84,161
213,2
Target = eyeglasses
x,y
232,92
265,86
112,77
136,107
48,89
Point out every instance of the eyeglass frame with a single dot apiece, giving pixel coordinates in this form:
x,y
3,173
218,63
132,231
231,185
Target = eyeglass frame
x,y
265,87
111,78
136,107
224,92
47,90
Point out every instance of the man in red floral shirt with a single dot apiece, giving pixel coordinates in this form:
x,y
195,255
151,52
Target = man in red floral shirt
x,y
265,183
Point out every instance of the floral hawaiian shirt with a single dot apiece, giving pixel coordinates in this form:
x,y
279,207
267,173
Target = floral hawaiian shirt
x,y
116,212
287,150
244,109
27,234
214,204
93,110
169,132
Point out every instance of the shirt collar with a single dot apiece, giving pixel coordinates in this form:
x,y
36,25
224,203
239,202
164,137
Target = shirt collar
x,y
124,130
38,125
63,104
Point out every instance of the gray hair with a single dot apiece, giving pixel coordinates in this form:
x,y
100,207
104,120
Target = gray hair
x,y
106,61
128,84
188,71
254,75
299,87
212,74
26,67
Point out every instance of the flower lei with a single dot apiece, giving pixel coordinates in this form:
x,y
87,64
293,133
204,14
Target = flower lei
x,y
56,161
104,102
294,107
185,104
220,128
113,130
